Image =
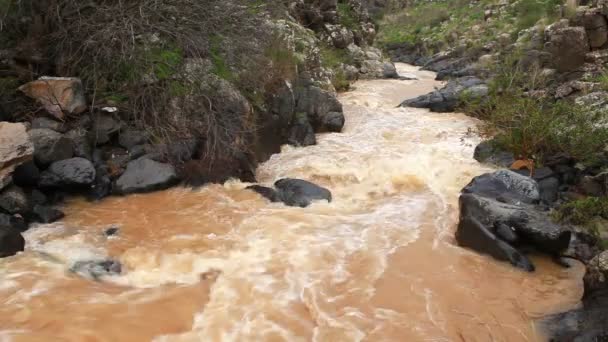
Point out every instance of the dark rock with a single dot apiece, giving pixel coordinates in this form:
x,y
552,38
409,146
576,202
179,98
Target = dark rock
x,y
95,269
13,200
584,324
448,98
144,175
50,146
389,71
74,172
81,142
104,128
112,231
315,103
302,133
37,197
497,216
26,174
549,190
102,185
506,185
300,193
11,242
130,138
596,277
15,222
47,123
333,121
568,45
488,152
46,214
269,193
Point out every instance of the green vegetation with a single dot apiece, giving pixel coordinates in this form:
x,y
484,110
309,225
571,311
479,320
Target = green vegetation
x,y
436,25
334,59
590,213
347,17
525,122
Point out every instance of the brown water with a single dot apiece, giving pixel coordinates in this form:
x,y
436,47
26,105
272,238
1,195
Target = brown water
x,y
222,264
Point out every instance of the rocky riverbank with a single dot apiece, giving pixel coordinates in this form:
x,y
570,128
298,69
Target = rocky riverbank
x,y
60,135
505,213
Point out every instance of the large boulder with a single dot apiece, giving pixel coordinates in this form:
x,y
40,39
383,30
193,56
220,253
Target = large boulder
x,y
11,242
449,97
488,152
595,24
302,133
15,149
50,146
74,172
300,193
145,175
568,45
498,215
58,95
596,277
316,103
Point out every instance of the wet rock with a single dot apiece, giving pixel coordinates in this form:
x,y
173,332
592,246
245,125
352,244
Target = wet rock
x,y
269,193
46,214
584,324
16,148
11,242
488,152
13,200
389,70
50,146
112,231
15,222
26,174
102,185
130,138
58,95
302,133
144,175
74,172
493,203
448,98
96,269
506,185
316,103
333,121
568,45
300,193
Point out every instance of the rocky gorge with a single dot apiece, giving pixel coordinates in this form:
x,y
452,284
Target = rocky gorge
x,y
74,145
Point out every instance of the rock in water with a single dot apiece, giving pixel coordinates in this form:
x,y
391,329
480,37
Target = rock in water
x,y
15,149
74,172
95,269
11,241
144,175
448,98
498,215
300,193
46,214
58,95
269,193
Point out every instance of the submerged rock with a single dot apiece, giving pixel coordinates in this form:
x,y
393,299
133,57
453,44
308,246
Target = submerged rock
x,y
95,269
300,193
498,215
269,193
46,214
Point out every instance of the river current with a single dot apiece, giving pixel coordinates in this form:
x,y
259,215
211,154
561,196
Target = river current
x,y
220,263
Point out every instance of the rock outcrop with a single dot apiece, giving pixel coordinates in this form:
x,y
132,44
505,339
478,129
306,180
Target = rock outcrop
x,y
498,215
448,98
